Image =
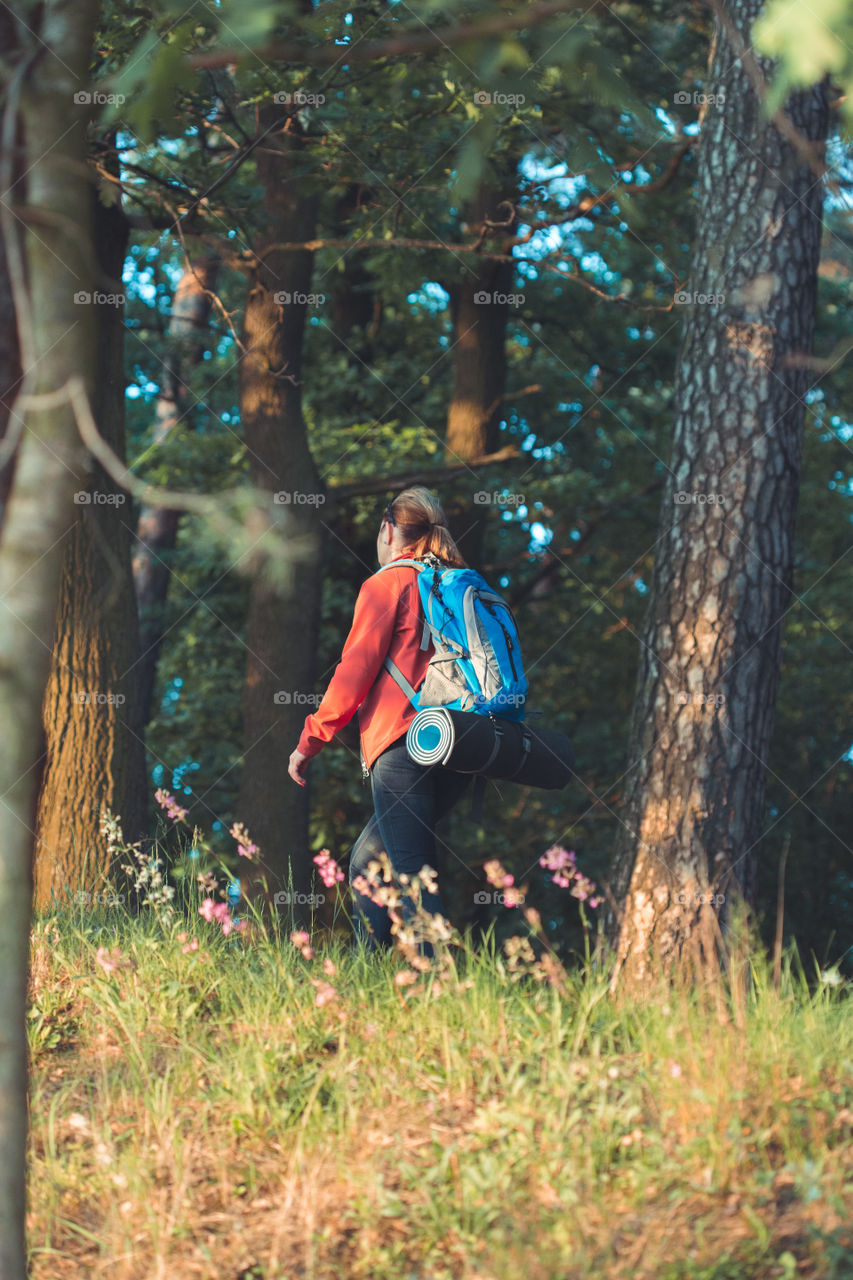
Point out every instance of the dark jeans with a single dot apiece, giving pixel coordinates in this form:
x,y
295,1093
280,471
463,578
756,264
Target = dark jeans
x,y
408,800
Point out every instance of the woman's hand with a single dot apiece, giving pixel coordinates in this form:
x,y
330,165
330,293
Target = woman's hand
x,y
297,766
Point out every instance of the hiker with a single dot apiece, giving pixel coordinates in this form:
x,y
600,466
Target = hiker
x,y
408,798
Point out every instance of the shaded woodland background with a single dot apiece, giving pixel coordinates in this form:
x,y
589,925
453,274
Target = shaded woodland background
x,y
584,268
343,218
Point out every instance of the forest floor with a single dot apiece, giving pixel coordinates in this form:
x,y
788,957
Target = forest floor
x,y
242,1109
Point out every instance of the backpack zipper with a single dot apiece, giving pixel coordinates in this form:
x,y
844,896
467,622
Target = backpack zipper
x,y
507,637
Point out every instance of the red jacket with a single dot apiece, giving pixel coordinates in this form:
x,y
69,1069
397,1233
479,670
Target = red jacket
x,y
388,622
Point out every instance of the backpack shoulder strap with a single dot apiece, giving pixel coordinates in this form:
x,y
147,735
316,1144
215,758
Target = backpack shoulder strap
x,y
416,564
392,564
395,672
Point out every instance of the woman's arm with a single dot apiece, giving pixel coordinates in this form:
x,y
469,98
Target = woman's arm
x,y
366,648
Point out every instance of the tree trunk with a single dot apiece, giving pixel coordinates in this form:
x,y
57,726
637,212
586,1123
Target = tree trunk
x,y
157,527
10,354
51,465
94,750
710,656
355,304
284,617
479,310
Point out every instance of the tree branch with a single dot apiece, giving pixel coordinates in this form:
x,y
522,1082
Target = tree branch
x,y
409,42
423,475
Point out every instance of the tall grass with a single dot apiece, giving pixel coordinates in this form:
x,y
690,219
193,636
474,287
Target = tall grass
x,y
256,1108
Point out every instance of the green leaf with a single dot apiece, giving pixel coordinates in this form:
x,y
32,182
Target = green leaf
x,y
471,162
151,80
249,24
803,36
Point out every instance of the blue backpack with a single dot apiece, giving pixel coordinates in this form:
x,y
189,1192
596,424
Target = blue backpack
x,y
477,663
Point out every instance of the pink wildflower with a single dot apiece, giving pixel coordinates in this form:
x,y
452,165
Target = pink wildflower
x,y
190,946
557,857
325,993
329,967
229,924
245,847
582,889
330,873
219,912
170,804
301,939
405,978
563,863
496,875
111,960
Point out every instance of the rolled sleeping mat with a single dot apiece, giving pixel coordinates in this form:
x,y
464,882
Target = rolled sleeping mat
x,y
470,743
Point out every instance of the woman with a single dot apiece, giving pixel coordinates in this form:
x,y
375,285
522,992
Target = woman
x,y
408,798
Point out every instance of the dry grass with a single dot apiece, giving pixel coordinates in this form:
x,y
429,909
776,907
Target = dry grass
x,y
200,1115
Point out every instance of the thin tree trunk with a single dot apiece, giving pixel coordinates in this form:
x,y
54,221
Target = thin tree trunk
x,y
283,620
157,527
94,752
479,310
51,465
710,657
10,354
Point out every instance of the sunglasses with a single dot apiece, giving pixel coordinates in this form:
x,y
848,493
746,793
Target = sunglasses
x,y
388,514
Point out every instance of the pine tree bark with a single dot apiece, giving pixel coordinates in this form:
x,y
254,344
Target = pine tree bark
x,y
710,656
94,750
284,617
479,311
157,527
57,342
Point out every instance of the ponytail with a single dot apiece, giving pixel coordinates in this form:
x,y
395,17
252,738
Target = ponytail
x,y
423,526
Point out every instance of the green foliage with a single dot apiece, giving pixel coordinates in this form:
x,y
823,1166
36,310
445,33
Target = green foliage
x,y
810,40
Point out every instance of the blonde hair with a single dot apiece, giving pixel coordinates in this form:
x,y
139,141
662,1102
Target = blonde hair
x,y
420,517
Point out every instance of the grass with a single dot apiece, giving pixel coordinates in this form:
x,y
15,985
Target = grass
x,y
200,1114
